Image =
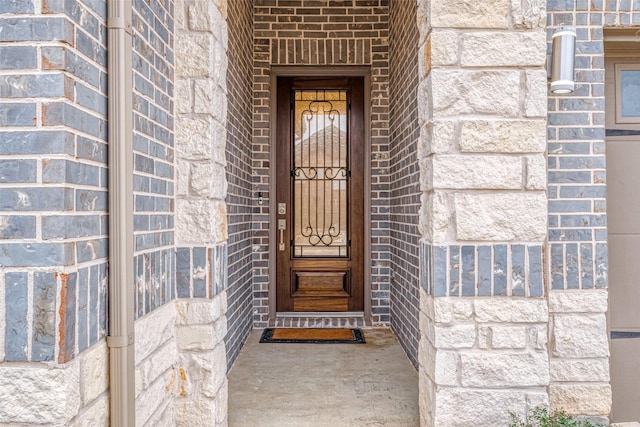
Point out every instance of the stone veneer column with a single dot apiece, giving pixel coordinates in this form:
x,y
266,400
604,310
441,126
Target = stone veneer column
x,y
483,320
201,215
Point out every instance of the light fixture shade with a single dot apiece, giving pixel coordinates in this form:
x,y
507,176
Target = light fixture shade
x,y
563,53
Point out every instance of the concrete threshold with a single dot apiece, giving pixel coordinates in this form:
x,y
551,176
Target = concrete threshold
x,y
318,385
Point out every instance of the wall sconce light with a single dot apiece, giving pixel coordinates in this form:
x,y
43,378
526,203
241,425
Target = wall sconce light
x,y
563,55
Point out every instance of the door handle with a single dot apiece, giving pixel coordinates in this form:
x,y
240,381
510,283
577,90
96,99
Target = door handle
x,y
282,225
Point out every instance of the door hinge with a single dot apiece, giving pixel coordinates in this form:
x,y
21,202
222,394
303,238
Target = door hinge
x,y
349,242
291,243
292,173
348,174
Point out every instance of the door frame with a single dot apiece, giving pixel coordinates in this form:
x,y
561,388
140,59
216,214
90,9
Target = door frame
x,y
308,71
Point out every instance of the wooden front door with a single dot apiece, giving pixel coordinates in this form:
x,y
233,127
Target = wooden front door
x,y
319,194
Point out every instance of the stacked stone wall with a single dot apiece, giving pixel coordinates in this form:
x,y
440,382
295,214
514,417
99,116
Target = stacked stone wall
x,y
312,33
482,111
53,198
404,175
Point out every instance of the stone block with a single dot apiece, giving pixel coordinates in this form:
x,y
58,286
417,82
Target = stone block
x,y
195,337
208,180
476,172
444,47
536,172
95,415
154,330
200,312
194,138
511,310
500,369
581,399
535,96
503,136
455,336
447,368
458,407
456,92
155,399
39,395
579,370
194,55
501,217
94,372
200,221
508,337
578,301
465,14
579,336
489,49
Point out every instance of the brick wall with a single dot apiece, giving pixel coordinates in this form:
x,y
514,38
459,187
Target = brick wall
x,y
308,32
240,200
404,175
153,145
53,179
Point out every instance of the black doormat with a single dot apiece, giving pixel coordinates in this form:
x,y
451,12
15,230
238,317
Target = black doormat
x,y
313,336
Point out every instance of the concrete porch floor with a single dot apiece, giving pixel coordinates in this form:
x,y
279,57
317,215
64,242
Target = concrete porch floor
x,y
371,384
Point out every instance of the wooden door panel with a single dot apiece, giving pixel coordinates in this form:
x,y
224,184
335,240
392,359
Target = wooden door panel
x,y
320,180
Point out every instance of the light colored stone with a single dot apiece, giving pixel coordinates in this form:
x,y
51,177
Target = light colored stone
x,y
500,369
425,101
581,399
458,407
536,172
446,368
444,137
461,309
578,301
183,96
440,216
208,180
520,217
528,13
39,395
194,138
477,172
579,370
508,336
157,364
222,399
154,330
503,136
537,336
504,49
535,96
511,310
194,54
456,92
155,399
183,172
200,16
209,99
198,413
200,221
580,336
190,312
94,371
456,336
470,14
94,415
201,337
444,47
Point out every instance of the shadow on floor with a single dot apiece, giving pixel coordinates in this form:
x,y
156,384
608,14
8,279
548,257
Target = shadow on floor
x,y
319,385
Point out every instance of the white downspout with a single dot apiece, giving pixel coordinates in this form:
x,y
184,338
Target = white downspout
x,y
121,309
